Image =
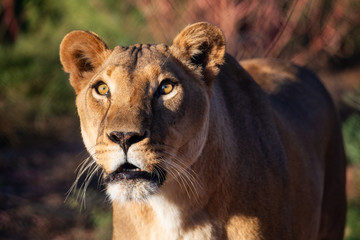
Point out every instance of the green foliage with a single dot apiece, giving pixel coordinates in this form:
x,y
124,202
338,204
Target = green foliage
x,y
351,132
103,223
97,211
352,231
34,92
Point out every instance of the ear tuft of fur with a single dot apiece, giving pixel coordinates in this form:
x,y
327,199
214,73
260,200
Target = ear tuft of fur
x,y
201,47
81,53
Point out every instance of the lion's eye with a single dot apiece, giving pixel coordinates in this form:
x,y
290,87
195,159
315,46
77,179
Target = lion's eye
x,y
166,88
102,89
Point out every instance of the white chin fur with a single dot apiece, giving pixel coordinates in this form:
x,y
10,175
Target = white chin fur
x,y
124,191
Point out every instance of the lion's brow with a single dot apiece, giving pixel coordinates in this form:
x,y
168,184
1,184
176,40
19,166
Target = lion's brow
x,y
141,55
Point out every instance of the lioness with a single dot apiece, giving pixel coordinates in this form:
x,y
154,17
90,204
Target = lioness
x,y
193,146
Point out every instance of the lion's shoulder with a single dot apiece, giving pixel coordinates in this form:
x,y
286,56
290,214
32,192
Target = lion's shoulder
x,y
275,75
300,103
287,84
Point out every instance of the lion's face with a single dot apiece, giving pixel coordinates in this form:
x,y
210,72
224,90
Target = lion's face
x,y
142,122
143,109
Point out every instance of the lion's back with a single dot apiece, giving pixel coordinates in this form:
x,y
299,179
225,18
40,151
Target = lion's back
x,y
297,96
310,131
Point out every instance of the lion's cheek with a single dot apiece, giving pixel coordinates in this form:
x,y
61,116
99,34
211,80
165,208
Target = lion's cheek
x,y
173,101
90,119
196,142
191,129
88,133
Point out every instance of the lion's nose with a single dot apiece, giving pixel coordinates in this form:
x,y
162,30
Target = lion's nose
x,y
126,139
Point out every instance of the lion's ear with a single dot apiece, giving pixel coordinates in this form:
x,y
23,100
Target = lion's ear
x,y
81,53
201,47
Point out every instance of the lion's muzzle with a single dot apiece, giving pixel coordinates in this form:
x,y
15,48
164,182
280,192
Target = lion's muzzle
x,y
128,172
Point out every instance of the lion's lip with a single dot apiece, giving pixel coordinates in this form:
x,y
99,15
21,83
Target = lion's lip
x,y
129,171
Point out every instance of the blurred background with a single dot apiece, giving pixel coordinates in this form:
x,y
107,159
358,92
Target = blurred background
x,y
40,143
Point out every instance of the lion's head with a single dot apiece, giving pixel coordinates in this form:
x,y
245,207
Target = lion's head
x,y
144,108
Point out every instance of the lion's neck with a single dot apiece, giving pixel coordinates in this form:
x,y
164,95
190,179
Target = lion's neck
x,y
176,213
168,215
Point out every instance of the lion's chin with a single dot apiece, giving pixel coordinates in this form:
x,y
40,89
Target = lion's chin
x,y
131,190
131,183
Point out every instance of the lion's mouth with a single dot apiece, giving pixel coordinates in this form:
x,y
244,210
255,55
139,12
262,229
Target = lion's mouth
x,y
129,172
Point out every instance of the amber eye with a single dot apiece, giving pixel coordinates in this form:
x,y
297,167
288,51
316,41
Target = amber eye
x,y
102,89
166,88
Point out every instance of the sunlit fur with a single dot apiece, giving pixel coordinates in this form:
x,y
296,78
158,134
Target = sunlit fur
x,y
239,154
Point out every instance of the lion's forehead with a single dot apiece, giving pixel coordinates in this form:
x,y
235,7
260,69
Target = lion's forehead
x,y
138,69
138,56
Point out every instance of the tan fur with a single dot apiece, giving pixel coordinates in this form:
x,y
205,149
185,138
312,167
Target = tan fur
x,y
239,159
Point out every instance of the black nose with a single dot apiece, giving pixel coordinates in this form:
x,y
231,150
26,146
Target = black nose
x,y
126,139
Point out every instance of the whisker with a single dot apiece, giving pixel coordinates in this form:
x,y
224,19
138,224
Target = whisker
x,y
185,176
87,182
178,177
188,171
83,166
101,177
180,156
88,167
81,188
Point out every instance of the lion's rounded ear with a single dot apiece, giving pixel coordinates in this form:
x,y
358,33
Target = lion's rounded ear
x,y
201,47
81,53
